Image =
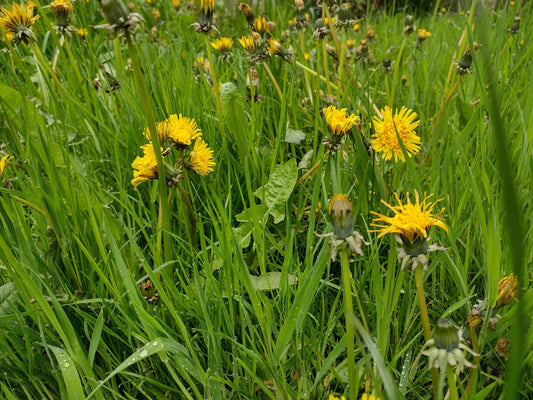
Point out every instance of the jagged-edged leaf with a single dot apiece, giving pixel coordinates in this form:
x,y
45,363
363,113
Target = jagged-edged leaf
x,y
271,280
294,136
8,298
278,189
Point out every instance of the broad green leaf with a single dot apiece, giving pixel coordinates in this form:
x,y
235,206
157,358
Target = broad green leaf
x,y
278,189
8,298
271,280
294,136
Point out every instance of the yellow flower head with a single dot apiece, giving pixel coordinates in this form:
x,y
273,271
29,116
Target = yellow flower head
x,y
208,5
18,20
356,27
260,24
3,163
222,44
367,396
423,34
182,130
332,397
387,131
411,221
275,48
162,129
176,3
201,159
82,32
144,167
507,290
247,42
62,7
338,122
156,14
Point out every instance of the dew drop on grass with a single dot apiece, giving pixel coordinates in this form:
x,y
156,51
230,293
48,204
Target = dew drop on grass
x,y
143,353
155,343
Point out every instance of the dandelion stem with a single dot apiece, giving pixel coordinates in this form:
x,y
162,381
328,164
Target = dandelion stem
x,y
163,238
190,212
306,78
349,316
452,387
274,81
425,319
322,78
44,64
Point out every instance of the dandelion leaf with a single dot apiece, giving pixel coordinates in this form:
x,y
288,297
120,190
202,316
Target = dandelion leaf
x,y
294,136
8,298
271,280
278,189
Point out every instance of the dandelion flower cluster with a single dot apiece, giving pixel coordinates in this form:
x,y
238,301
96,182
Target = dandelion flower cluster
x,y
387,130
180,131
3,163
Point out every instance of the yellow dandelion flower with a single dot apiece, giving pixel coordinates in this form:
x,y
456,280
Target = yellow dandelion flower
x,y
162,129
507,290
150,2
182,130
222,44
176,3
291,22
156,14
275,48
208,5
332,397
307,56
443,9
423,34
145,167
247,42
82,32
367,396
260,24
387,131
201,159
356,27
411,221
61,7
3,163
338,122
18,20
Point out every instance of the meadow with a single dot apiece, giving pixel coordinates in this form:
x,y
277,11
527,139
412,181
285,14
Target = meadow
x,y
281,200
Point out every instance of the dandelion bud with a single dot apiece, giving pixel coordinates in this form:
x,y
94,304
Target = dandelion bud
x,y
445,335
516,25
386,65
345,13
62,10
503,347
299,4
270,26
114,11
341,214
507,290
248,13
409,25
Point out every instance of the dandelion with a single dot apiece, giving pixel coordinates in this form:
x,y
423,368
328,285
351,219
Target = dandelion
x,y
410,225
387,131
201,158
447,347
507,290
82,32
3,162
145,167
119,22
356,27
247,42
205,25
260,25
276,49
338,122
367,396
409,24
156,14
62,10
222,44
182,130
162,129
17,22
248,13
332,397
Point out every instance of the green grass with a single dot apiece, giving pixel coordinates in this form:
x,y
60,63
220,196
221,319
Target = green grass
x,y
77,241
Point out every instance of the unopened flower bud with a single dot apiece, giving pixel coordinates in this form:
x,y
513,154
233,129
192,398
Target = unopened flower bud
x,y
341,214
114,11
445,335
